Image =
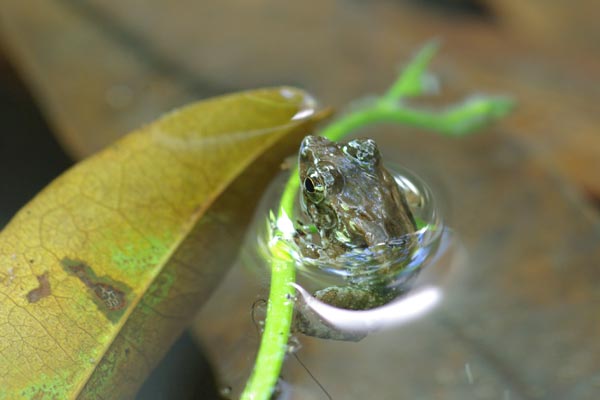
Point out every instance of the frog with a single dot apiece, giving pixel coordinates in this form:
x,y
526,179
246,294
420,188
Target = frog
x,y
352,204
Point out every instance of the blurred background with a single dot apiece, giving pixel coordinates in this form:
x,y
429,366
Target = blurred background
x,y
75,75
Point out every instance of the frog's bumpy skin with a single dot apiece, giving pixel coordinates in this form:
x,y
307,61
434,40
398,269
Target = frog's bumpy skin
x,y
355,205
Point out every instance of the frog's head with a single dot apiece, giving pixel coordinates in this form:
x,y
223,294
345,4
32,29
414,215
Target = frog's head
x,y
341,184
324,165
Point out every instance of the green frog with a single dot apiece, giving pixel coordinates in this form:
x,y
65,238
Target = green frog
x,y
353,205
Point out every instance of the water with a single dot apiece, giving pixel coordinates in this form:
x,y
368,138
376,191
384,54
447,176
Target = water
x,y
418,270
524,286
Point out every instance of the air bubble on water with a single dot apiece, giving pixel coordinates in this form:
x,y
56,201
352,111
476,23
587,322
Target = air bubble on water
x,y
259,312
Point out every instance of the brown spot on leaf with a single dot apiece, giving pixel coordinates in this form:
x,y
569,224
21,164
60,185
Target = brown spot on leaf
x,y
42,290
109,295
80,271
113,298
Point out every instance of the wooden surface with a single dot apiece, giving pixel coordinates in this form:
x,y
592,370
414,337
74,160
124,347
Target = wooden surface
x,y
522,317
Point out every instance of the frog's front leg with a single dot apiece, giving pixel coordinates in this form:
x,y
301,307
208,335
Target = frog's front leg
x,y
314,245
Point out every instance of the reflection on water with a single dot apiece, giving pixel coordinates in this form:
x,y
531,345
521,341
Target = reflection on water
x,y
358,322
411,267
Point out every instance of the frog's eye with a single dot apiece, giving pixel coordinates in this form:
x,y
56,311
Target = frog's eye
x,y
314,187
309,185
363,150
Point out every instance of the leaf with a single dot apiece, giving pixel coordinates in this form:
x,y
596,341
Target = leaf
x,y
103,269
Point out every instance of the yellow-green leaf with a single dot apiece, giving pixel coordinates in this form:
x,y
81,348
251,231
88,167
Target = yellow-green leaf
x,y
102,270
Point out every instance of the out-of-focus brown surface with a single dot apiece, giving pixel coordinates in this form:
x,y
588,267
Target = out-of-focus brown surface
x,y
522,320
101,68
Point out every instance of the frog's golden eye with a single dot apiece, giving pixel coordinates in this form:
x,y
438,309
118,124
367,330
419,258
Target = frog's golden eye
x,y
314,187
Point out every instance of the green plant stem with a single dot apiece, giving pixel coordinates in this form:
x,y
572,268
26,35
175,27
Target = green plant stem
x,y
455,121
288,198
411,82
277,330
